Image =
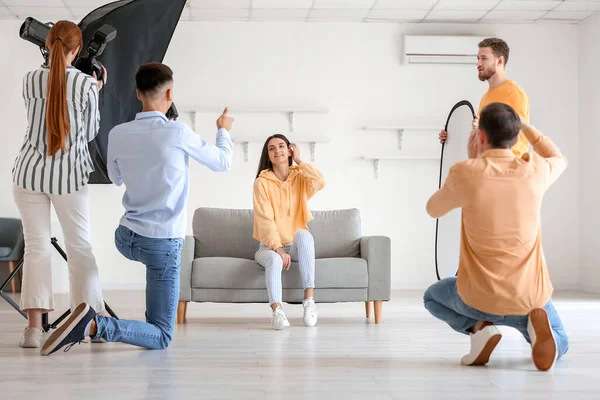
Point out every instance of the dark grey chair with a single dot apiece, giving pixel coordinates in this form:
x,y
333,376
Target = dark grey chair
x,y
12,244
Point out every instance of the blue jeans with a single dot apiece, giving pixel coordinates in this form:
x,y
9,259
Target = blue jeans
x,y
162,258
444,303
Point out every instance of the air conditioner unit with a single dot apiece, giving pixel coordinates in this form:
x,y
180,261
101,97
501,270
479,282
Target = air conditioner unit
x,y
440,49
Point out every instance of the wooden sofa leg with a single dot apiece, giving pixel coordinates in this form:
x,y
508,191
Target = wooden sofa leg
x,y
368,308
11,268
181,311
378,311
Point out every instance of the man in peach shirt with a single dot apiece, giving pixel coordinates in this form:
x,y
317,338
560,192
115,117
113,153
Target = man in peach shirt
x,y
502,276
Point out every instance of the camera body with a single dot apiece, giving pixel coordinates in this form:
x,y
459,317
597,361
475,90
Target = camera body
x,y
88,63
36,32
172,113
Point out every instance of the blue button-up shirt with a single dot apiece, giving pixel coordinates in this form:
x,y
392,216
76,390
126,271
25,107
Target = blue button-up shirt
x,y
150,156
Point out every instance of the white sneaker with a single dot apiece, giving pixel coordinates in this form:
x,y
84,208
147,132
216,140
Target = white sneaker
x,y
483,343
278,319
31,338
543,345
310,312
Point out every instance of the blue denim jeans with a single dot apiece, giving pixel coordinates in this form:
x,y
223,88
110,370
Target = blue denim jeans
x,y
444,303
162,258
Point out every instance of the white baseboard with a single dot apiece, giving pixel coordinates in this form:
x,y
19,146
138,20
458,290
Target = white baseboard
x,y
589,288
567,286
124,286
399,287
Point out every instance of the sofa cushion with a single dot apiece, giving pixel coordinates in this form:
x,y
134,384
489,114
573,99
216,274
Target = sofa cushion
x,y
5,251
223,232
228,233
239,273
337,233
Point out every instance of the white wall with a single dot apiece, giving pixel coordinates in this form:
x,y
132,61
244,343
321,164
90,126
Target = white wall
x,y
354,70
589,193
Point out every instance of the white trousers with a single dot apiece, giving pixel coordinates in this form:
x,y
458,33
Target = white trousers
x,y
301,250
74,216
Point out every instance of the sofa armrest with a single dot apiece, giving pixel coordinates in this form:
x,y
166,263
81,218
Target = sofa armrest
x,y
185,273
378,253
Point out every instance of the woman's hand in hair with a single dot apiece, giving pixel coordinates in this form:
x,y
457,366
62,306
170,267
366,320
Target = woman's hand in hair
x,y
295,153
285,257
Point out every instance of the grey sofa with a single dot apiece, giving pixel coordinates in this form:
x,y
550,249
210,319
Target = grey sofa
x,y
217,263
12,247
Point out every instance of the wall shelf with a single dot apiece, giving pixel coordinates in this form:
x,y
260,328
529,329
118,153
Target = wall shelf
x,y
294,137
256,109
401,128
246,139
290,111
376,158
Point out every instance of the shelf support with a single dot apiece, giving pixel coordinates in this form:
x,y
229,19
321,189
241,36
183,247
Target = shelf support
x,y
313,146
400,133
193,117
376,168
245,144
291,120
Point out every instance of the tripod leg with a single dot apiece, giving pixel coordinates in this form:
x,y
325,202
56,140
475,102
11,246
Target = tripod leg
x,y
11,276
62,317
45,326
11,268
110,311
5,284
13,304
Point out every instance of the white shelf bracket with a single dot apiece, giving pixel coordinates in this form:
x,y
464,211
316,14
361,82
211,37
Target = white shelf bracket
x,y
376,169
400,132
313,146
291,120
193,117
245,144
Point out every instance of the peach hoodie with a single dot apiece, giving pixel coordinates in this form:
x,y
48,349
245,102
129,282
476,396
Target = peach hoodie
x,y
281,208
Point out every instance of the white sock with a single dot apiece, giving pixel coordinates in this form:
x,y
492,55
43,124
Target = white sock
x,y
86,333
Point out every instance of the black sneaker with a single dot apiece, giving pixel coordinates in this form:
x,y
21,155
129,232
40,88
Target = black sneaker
x,y
71,332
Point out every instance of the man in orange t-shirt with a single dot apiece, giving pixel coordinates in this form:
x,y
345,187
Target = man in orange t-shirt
x,y
491,65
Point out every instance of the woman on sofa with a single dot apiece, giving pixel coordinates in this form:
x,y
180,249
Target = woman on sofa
x,y
281,214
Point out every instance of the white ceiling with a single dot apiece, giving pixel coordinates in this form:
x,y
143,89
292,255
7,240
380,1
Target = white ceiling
x,y
413,11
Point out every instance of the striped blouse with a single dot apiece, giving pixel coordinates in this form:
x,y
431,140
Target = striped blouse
x,y
64,172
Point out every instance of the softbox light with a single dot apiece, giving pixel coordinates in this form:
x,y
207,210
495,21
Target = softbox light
x,y
144,31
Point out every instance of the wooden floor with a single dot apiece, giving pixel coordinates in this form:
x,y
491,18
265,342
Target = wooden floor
x,y
229,352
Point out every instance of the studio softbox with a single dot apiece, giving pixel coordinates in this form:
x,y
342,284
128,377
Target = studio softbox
x,y
144,31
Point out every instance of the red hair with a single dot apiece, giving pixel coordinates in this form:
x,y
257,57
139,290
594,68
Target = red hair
x,y
64,37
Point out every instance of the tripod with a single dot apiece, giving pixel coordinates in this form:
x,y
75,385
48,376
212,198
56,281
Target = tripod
x,y
46,326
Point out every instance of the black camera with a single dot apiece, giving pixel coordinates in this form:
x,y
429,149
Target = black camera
x,y
88,62
172,113
36,32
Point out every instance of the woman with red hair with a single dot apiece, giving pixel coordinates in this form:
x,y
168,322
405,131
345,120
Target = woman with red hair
x,y
53,167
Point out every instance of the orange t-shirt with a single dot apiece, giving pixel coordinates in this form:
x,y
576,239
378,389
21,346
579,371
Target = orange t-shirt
x,y
512,94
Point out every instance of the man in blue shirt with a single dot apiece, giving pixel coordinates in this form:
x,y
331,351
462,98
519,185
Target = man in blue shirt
x,y
150,156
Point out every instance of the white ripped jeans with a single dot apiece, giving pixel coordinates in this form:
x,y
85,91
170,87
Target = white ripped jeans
x,y
301,250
